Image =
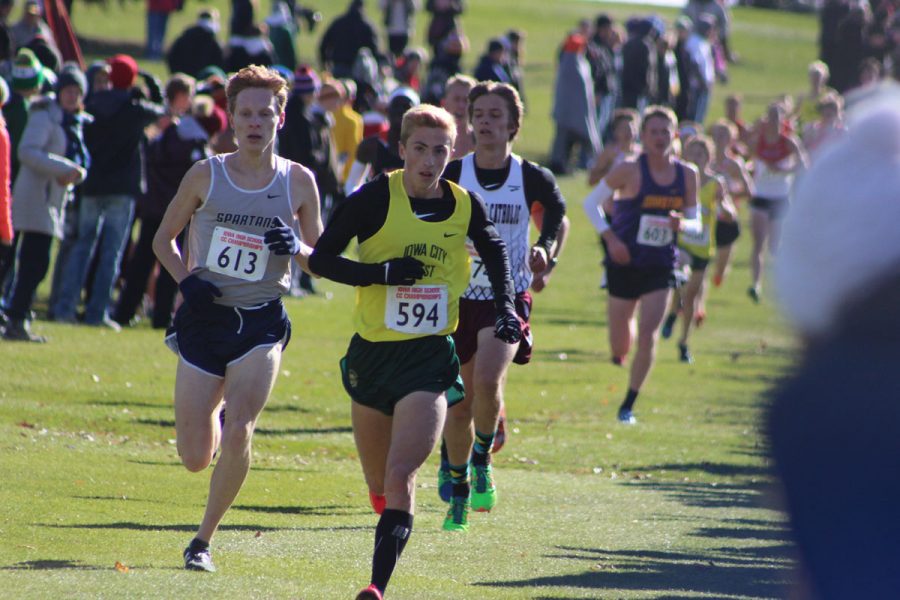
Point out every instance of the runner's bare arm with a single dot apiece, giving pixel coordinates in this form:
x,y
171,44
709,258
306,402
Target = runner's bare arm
x,y
305,198
190,195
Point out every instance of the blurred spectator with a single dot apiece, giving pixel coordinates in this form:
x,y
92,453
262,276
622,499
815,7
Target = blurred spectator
x,y
116,142
841,497
251,47
445,64
347,132
305,137
31,24
456,102
158,12
808,104
492,64
169,157
6,228
515,61
408,68
574,111
718,12
870,71
53,158
6,7
282,30
828,126
639,72
197,47
830,17
374,155
668,80
444,15
27,80
344,38
399,23
601,55
701,68
851,51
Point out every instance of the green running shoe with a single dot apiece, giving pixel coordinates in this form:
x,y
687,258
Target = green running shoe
x,y
457,515
484,493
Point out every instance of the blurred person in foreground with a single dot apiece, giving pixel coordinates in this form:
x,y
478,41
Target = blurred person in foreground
x,y
833,423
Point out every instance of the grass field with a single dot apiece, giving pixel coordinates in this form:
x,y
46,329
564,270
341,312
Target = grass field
x,y
680,506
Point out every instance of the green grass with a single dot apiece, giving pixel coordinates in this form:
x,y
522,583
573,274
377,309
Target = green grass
x,y
678,507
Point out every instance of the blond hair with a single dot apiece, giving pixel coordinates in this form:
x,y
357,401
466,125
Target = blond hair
x,y
427,115
256,76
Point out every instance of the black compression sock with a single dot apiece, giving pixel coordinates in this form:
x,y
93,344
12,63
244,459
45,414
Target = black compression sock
x,y
445,458
197,545
630,398
391,536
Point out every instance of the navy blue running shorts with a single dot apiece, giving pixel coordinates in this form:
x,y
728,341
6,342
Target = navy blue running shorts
x,y
221,336
630,283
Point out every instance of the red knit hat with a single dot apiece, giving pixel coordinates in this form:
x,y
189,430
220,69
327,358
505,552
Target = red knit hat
x,y
123,71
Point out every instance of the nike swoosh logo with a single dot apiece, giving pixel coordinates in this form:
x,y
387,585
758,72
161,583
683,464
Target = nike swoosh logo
x,y
270,196
446,235
425,216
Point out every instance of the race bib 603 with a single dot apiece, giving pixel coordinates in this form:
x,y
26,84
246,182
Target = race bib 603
x,y
655,231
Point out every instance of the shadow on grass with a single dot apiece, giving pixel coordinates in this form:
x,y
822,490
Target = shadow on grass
x,y
169,423
710,468
708,495
750,572
303,430
316,511
51,565
191,528
124,404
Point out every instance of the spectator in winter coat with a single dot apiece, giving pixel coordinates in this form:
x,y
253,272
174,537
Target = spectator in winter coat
x,y
574,111
53,159
115,178
399,22
639,70
169,157
197,47
492,65
344,38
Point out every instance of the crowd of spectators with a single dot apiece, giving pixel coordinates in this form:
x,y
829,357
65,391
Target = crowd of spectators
x,y
107,146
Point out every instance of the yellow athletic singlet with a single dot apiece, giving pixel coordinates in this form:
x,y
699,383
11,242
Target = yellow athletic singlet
x,y
703,244
430,307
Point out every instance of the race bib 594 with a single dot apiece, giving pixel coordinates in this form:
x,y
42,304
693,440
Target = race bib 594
x,y
416,309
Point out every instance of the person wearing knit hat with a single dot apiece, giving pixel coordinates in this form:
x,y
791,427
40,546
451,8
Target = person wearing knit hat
x,y
27,71
123,71
27,78
306,81
71,75
115,178
54,159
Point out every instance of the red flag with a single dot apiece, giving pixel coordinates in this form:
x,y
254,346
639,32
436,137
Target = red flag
x,y
57,17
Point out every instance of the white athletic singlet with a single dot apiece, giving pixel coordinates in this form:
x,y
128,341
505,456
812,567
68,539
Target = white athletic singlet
x,y
508,209
225,238
771,184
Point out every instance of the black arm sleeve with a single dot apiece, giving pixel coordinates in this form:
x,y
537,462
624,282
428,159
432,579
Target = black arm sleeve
x,y
492,250
540,186
360,216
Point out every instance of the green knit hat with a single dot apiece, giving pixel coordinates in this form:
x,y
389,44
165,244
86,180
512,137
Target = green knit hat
x,y
27,72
